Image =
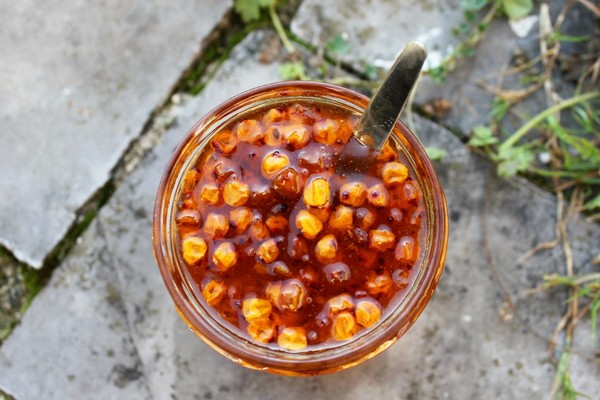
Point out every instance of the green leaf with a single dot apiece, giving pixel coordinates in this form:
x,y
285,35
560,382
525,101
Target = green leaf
x,y
499,108
338,45
563,385
473,5
584,147
249,10
576,166
567,38
435,153
463,29
469,51
593,203
482,136
583,119
322,69
292,71
563,174
438,74
514,160
483,27
371,71
517,9
470,16
595,117
558,280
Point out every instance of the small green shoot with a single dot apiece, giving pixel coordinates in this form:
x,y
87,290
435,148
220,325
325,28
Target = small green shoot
x,y
499,109
592,204
533,122
584,147
250,10
482,136
563,386
517,9
557,37
339,45
514,160
292,71
588,291
470,32
435,153
473,5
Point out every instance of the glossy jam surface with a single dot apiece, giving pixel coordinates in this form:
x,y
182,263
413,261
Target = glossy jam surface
x,y
285,248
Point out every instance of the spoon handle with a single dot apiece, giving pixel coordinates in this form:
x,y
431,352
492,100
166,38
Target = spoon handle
x,y
387,104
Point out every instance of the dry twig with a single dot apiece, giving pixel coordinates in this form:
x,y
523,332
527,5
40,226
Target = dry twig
x,y
511,96
590,6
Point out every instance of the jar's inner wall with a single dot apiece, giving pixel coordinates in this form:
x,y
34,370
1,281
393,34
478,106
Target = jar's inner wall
x,y
188,281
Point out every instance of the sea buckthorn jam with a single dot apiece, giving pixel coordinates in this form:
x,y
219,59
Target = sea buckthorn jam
x,y
275,254
284,247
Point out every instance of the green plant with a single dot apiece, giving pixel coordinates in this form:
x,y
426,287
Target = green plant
x,y
586,289
292,71
516,9
251,10
576,156
559,147
338,45
436,153
563,386
478,14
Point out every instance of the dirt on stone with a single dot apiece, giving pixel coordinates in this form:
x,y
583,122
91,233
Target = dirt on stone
x,y
13,294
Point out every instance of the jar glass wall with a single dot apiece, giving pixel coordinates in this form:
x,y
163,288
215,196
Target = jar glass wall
x,y
216,332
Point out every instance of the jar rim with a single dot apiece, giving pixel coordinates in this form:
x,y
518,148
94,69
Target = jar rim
x,y
307,362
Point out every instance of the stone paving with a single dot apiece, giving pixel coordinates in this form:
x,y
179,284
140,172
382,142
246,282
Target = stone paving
x,y
377,31
78,83
368,41
104,326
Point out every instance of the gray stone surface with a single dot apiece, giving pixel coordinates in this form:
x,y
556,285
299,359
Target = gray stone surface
x,y
78,80
378,29
74,341
107,307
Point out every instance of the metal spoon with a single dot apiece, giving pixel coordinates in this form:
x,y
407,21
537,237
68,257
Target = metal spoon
x,y
384,109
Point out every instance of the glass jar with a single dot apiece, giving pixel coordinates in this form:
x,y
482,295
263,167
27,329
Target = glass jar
x,y
216,332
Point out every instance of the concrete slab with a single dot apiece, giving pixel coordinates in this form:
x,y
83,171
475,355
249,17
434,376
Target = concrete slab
x,y
467,344
377,30
74,341
78,81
